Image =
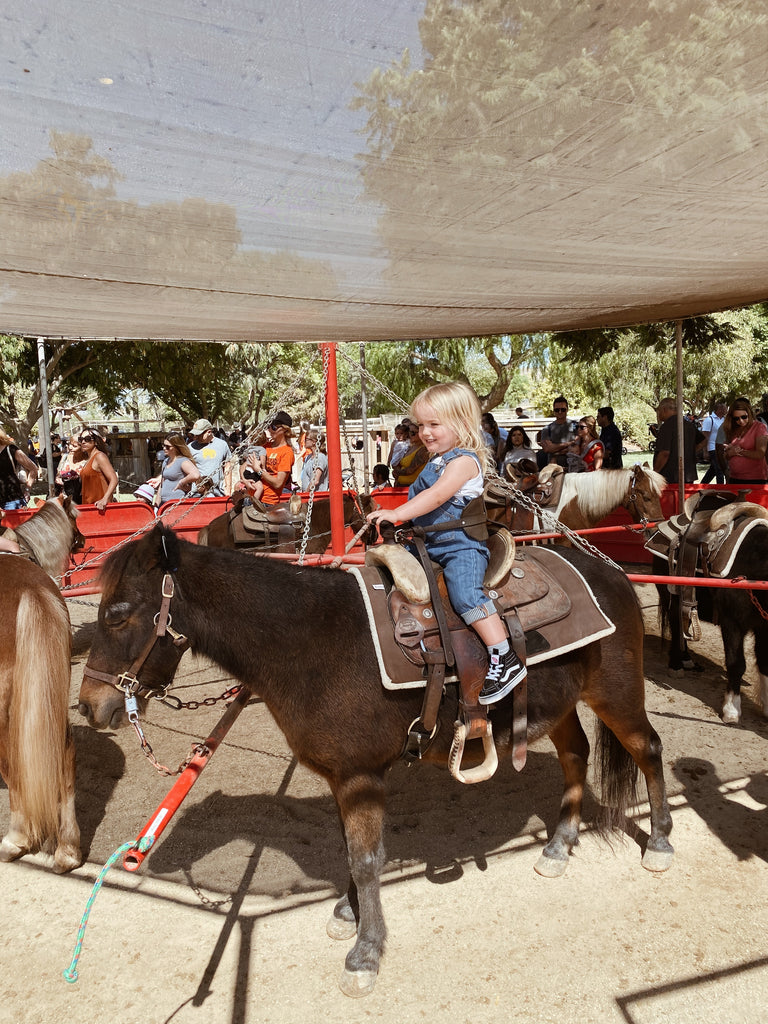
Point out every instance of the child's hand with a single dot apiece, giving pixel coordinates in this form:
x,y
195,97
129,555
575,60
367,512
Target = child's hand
x,y
383,515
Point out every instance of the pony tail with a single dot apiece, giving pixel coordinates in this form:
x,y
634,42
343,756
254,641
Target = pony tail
x,y
38,726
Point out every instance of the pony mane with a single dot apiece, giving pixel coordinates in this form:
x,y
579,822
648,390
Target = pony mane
x,y
598,494
48,534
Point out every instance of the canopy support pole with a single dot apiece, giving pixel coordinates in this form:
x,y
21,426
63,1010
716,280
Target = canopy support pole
x,y
45,419
364,415
333,447
680,421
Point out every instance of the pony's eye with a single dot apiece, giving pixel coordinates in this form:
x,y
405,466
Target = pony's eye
x,y
117,614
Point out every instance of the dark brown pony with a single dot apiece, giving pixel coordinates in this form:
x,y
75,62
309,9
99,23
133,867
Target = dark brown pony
x,y
37,755
218,533
324,693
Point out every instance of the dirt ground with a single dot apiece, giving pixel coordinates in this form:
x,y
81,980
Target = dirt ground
x,y
225,920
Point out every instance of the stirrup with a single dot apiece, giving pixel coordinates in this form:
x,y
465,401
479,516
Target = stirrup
x,y
481,772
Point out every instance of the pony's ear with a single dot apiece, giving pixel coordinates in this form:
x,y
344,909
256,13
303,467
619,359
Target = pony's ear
x,y
168,555
159,549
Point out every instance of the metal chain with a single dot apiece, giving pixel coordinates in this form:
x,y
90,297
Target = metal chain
x,y
387,392
311,499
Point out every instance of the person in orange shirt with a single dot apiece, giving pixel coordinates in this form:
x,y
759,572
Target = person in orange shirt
x,y
279,459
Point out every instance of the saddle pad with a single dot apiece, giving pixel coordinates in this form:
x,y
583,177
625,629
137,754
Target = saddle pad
x,y
560,637
723,552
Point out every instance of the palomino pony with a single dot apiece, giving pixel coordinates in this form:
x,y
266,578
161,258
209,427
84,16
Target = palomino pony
x,y
218,533
37,754
586,498
321,684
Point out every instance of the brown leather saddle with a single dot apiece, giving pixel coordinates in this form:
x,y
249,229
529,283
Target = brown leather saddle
x,y
253,524
703,540
546,604
544,488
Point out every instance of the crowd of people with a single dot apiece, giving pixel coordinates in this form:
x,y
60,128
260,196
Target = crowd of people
x,y
731,439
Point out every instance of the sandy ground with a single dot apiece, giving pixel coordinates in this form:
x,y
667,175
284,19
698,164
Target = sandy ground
x,y
225,921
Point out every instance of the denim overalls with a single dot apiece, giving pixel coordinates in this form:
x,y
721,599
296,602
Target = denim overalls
x,y
463,559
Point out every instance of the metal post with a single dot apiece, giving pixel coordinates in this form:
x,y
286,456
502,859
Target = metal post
x,y
50,474
364,415
680,422
333,448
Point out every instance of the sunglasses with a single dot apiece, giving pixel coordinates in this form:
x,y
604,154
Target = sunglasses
x,y
167,446
86,437
582,426
561,408
740,419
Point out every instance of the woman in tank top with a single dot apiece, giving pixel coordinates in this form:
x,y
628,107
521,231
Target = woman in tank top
x,y
97,477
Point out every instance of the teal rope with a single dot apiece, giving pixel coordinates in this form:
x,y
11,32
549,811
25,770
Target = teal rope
x,y
142,845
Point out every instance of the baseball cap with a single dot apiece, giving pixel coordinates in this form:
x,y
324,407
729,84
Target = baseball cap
x,y
201,426
283,418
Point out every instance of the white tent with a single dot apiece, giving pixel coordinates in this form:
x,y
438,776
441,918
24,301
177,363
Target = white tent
x,y
244,169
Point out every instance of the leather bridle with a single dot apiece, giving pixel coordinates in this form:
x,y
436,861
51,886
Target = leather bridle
x,y
127,682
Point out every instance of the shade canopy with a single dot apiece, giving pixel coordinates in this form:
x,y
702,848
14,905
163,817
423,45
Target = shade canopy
x,y
378,169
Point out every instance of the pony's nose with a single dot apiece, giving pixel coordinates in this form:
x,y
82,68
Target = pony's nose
x,y
86,711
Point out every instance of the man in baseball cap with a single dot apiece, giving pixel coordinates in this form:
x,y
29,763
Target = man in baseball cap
x,y
210,455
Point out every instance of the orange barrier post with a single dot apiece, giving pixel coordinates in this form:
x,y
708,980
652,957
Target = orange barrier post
x,y
166,810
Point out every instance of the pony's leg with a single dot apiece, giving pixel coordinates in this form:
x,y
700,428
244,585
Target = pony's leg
x,y
761,657
68,855
641,741
572,748
679,656
16,841
361,807
735,665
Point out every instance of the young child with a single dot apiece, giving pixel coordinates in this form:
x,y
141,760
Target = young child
x,y
449,418
380,474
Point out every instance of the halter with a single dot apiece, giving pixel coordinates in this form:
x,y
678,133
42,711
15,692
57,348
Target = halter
x,y
127,682
632,497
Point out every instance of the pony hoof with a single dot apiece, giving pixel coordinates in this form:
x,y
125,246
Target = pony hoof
x,y
657,860
550,867
356,984
732,711
64,862
10,851
339,928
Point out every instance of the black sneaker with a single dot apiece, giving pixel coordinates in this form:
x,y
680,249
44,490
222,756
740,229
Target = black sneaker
x,y
504,673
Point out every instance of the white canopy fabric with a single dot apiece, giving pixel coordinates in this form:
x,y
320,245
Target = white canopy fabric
x,y
378,169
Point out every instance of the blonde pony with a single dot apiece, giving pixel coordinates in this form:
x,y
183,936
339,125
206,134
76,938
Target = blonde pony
x,y
457,407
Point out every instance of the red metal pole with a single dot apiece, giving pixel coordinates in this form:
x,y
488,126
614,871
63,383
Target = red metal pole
x,y
333,448
166,810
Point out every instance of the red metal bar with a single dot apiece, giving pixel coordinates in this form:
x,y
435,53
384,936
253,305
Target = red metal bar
x,y
333,449
166,810
700,581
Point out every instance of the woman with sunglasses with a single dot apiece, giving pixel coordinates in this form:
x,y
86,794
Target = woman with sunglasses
x,y
746,441
585,454
179,471
97,477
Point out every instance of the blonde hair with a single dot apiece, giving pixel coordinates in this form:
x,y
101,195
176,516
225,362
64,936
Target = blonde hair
x,y
457,406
